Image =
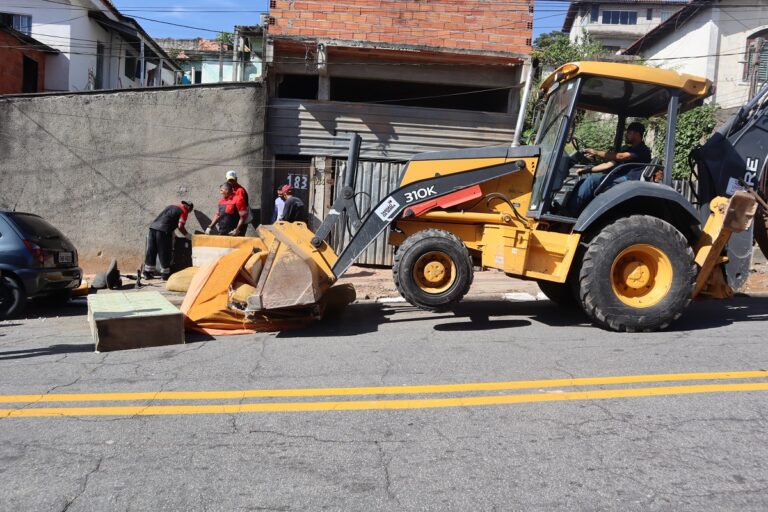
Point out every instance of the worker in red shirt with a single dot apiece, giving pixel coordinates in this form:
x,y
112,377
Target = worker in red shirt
x,y
239,190
231,214
160,238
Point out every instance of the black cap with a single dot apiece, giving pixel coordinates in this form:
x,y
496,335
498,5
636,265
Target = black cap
x,y
636,127
188,205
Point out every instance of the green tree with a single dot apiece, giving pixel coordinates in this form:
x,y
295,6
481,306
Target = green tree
x,y
553,49
594,130
225,38
692,126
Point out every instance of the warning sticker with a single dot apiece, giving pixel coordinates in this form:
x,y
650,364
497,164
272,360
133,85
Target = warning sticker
x,y
733,186
388,209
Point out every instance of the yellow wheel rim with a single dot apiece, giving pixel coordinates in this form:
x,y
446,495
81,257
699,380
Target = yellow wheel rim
x,y
434,272
641,276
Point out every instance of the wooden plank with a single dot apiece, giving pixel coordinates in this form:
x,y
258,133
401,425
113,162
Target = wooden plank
x,y
126,320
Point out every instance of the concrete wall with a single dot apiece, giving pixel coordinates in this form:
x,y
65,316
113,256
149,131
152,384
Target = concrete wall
x,y
101,166
692,40
713,44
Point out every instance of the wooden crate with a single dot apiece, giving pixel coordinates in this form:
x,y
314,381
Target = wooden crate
x,y
125,320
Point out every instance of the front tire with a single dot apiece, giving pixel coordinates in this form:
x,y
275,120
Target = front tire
x,y
432,269
638,274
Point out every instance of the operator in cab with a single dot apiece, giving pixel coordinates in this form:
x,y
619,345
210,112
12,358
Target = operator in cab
x,y
634,152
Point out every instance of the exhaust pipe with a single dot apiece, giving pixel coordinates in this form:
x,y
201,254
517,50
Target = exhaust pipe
x,y
524,103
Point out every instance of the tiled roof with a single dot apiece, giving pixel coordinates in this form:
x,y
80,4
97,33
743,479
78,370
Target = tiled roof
x,y
34,44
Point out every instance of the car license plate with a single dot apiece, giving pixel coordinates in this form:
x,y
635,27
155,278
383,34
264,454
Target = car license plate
x,y
65,257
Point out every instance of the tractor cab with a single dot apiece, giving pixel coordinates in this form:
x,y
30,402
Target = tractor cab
x,y
588,97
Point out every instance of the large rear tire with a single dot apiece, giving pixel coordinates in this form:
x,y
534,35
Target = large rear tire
x,y
432,269
638,274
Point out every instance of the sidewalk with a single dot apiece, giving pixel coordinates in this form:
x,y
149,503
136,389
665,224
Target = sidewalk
x,y
377,283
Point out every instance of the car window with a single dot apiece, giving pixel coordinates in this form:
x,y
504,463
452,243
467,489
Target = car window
x,y
33,226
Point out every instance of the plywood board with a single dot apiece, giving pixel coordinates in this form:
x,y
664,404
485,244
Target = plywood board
x,y
126,320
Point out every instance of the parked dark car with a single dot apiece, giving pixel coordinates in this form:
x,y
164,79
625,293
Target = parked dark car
x,y
36,260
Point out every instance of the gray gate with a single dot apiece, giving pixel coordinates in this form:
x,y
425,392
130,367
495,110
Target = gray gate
x,y
373,183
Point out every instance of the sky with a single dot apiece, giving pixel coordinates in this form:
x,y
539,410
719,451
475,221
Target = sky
x,y
211,16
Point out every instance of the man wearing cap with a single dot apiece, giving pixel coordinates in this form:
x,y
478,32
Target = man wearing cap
x,y
231,213
293,210
634,152
160,238
239,191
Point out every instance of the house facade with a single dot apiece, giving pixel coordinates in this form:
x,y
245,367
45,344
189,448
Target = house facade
x,y
617,24
407,77
725,42
23,62
98,47
204,61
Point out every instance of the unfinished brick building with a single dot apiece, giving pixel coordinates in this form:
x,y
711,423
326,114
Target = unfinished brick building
x,y
22,62
408,76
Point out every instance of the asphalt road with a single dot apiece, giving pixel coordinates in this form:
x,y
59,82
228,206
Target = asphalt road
x,y
361,423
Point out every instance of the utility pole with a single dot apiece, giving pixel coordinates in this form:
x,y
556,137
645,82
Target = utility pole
x,y
235,51
142,67
221,61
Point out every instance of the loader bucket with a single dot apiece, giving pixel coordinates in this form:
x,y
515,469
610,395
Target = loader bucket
x,y
727,216
294,272
278,281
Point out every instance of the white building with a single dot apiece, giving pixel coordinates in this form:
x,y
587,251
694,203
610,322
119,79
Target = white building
x,y
618,23
725,42
100,48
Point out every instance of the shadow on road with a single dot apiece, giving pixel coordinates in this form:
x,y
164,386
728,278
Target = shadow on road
x,y
45,351
42,308
708,314
481,315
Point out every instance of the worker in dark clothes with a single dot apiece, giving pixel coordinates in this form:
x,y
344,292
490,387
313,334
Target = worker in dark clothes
x,y
239,190
231,214
160,238
293,210
635,152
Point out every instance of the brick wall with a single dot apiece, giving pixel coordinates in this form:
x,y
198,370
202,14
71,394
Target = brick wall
x,y
481,25
11,64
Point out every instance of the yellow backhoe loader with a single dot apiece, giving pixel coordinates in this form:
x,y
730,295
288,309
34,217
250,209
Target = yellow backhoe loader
x,y
633,257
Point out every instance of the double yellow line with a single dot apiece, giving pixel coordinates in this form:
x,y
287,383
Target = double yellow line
x,y
549,392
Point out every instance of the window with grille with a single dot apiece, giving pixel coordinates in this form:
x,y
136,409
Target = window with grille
x,y
756,61
619,17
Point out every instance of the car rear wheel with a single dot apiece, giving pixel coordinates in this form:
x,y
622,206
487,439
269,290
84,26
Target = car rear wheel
x,y
13,300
